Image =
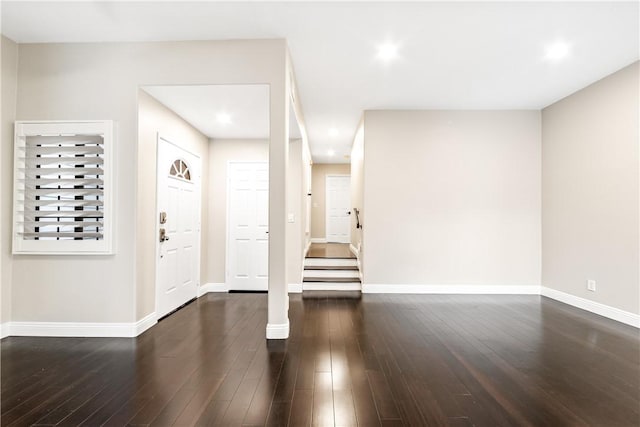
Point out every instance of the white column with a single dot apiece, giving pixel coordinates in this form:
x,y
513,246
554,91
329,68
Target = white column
x,y
278,318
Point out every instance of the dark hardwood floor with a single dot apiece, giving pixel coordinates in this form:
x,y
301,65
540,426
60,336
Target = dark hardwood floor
x,y
373,360
330,250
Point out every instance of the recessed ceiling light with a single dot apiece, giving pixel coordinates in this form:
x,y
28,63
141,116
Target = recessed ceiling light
x,y
387,51
223,118
557,51
331,152
333,132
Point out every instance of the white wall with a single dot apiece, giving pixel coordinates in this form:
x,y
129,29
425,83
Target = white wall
x,y
9,52
590,188
101,81
154,118
318,194
221,152
452,197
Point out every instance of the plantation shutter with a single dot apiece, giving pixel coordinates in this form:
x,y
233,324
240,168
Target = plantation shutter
x,y
62,187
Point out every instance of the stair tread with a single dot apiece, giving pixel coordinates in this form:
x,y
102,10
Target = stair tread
x,y
332,279
331,267
331,257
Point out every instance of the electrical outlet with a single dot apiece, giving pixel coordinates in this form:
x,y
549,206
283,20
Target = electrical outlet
x,y
591,285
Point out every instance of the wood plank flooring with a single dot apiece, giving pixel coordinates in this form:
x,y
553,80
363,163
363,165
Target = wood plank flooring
x,y
370,360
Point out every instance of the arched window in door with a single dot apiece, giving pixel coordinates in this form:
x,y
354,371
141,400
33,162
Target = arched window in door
x,y
180,169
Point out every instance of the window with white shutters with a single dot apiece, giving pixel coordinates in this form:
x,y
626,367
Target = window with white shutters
x,y
63,188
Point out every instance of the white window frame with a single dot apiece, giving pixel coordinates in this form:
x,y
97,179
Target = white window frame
x,y
22,246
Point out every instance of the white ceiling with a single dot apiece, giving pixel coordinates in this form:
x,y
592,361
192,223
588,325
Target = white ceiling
x,y
451,55
246,105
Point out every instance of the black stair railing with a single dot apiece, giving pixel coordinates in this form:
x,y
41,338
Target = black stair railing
x,y
357,211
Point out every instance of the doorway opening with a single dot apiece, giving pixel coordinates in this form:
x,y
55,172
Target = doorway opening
x,y
331,203
178,212
338,208
203,133
248,226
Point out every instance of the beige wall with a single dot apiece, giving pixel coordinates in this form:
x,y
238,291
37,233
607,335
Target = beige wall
x,y
590,190
221,152
357,190
318,190
303,221
153,119
101,81
452,197
9,82
294,200
307,173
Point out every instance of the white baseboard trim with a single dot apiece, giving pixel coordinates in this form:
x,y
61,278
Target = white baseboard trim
x,y
306,249
318,240
450,289
327,286
145,323
355,251
613,313
278,331
609,312
4,330
82,329
222,287
212,287
295,288
281,331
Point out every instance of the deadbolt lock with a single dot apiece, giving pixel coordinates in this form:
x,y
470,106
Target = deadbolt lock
x,y
163,217
163,235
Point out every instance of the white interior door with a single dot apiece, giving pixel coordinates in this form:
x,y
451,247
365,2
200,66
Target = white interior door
x,y
248,226
338,201
178,214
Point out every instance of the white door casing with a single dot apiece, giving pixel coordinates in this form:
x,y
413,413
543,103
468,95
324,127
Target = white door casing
x,y
338,206
178,257
248,226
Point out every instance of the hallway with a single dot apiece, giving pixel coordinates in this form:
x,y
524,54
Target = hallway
x,y
355,360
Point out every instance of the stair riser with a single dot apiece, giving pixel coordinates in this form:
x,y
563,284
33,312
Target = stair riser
x,y
332,273
322,286
328,262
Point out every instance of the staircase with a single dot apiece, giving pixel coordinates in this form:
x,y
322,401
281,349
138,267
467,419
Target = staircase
x,y
337,272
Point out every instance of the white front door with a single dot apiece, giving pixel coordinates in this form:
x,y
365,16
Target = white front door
x,y
248,226
178,229
338,200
